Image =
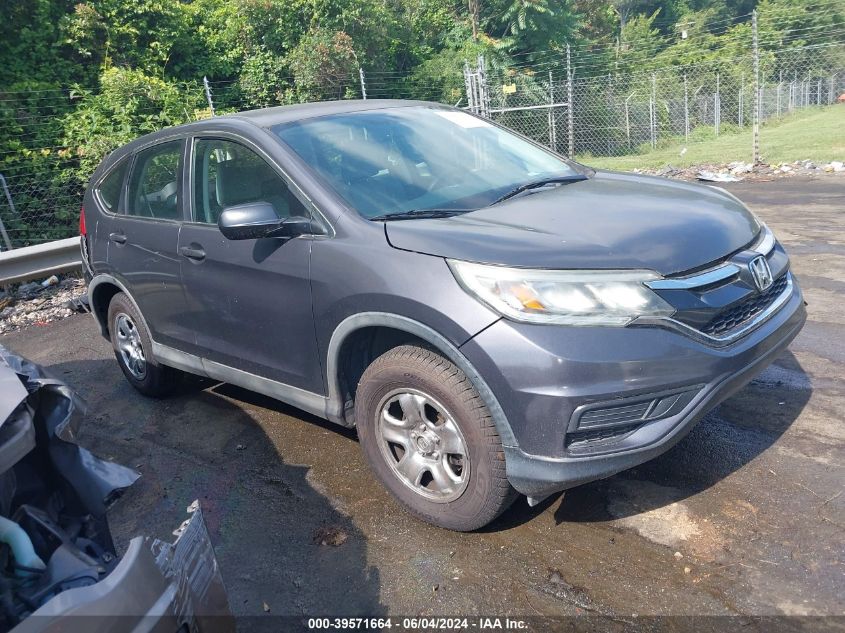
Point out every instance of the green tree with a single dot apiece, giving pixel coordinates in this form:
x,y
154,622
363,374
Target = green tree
x,y
128,104
324,66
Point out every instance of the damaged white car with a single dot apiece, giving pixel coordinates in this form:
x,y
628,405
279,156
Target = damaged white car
x,y
57,558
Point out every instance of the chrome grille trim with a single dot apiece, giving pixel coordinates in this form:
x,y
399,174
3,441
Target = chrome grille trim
x,y
764,245
712,276
766,242
734,335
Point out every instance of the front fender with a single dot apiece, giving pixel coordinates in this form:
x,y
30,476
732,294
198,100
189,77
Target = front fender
x,y
405,324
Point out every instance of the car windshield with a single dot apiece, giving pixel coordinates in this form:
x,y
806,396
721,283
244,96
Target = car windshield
x,y
418,158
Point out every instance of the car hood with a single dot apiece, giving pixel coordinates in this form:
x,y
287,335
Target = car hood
x,y
609,221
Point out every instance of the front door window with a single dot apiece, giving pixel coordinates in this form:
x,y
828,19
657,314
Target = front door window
x,y
227,173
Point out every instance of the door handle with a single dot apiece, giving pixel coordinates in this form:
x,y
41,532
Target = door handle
x,y
117,238
190,252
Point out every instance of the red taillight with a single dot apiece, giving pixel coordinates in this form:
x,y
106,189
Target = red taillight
x,y
82,221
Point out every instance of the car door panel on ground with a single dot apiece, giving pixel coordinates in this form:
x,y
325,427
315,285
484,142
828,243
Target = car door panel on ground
x,y
249,300
142,239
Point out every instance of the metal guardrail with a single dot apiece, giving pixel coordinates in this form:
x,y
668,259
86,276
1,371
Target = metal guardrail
x,y
41,260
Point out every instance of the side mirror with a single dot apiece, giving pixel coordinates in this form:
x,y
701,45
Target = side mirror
x,y
256,220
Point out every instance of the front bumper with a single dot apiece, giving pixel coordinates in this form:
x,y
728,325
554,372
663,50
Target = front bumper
x,y
546,377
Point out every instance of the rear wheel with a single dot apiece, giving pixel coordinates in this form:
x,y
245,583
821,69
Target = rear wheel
x,y
430,439
133,350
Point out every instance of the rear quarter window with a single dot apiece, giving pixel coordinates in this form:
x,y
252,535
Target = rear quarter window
x,y
110,186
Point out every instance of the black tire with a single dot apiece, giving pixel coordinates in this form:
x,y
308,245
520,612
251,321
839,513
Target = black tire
x,y
486,492
157,381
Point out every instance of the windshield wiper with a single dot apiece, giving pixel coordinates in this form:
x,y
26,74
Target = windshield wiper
x,y
536,184
419,214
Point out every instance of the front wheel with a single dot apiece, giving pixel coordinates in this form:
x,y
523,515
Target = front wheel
x,y
430,439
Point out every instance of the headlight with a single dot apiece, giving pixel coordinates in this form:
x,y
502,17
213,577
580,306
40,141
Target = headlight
x,y
570,297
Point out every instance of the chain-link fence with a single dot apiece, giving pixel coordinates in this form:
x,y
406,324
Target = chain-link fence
x,y
617,115
49,147
50,140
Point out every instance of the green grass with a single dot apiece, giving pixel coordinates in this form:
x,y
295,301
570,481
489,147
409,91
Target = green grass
x,y
817,134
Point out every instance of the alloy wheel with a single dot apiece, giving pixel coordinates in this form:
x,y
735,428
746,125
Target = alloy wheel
x,y
129,346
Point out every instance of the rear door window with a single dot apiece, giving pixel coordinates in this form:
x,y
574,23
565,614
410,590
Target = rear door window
x,y
154,182
111,186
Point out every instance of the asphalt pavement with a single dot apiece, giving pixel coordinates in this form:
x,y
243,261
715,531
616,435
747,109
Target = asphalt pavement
x,y
744,516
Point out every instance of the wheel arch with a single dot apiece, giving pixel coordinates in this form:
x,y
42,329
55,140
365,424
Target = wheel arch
x,y
364,334
101,289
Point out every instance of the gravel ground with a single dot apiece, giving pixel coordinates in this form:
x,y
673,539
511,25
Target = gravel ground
x,y
38,304
746,516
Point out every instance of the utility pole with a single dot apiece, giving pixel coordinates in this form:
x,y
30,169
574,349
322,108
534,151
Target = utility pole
x,y
570,131
363,83
756,124
208,94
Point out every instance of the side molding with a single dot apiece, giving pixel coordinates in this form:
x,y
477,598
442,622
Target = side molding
x,y
334,407
313,403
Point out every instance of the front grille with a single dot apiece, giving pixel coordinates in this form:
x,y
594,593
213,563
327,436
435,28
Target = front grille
x,y
745,310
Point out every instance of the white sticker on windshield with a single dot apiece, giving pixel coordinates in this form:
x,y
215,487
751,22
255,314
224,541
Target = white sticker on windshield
x,y
462,118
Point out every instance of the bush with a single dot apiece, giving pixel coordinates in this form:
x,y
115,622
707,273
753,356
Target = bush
x,y
128,105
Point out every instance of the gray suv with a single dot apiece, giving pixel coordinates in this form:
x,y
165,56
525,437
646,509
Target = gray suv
x,y
492,318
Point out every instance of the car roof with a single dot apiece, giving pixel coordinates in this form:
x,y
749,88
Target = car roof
x,y
268,117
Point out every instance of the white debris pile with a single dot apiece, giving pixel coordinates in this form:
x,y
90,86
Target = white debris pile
x,y
39,303
739,170
712,176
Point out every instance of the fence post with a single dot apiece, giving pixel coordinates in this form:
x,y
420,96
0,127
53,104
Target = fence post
x,y
652,110
468,87
809,82
483,64
208,94
570,131
756,123
686,109
608,99
717,108
12,208
363,83
741,120
628,121
552,121
791,104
